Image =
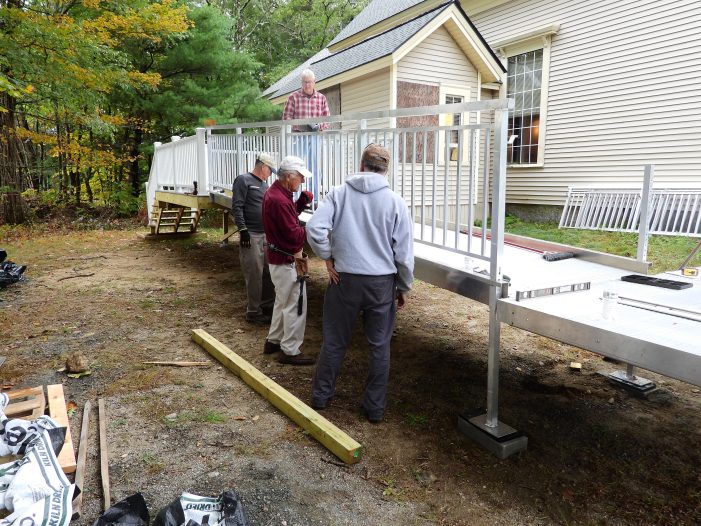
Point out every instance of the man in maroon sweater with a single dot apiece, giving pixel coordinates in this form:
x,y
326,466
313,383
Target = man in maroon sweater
x,y
286,238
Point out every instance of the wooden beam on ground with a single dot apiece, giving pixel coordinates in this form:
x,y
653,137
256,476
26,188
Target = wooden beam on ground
x,y
104,458
334,439
57,411
181,364
82,457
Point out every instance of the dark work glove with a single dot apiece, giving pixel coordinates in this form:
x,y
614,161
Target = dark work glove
x,y
306,197
245,238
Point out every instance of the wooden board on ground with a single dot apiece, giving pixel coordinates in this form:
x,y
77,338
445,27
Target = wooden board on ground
x,y
57,411
27,404
334,439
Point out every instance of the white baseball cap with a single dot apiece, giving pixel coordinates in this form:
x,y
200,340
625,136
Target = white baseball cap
x,y
268,160
292,163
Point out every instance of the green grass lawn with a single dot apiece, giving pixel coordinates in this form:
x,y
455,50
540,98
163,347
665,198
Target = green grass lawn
x,y
664,252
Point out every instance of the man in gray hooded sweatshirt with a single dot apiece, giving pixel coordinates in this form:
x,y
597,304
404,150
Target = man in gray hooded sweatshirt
x,y
364,233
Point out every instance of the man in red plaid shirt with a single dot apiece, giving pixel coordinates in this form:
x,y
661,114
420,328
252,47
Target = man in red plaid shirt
x,y
307,103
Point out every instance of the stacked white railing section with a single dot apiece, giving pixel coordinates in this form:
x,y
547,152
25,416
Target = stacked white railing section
x,y
672,212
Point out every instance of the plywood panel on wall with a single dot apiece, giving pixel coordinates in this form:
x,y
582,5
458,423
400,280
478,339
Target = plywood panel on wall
x,y
413,95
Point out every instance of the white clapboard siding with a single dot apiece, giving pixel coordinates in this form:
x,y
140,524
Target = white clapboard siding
x,y
623,92
438,60
367,93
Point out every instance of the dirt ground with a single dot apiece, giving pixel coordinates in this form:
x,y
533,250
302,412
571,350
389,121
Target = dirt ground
x,y
596,454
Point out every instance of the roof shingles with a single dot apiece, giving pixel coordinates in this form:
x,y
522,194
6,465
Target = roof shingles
x,y
376,11
327,65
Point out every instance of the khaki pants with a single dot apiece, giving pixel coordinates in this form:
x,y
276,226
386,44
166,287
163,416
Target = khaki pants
x,y
254,266
287,327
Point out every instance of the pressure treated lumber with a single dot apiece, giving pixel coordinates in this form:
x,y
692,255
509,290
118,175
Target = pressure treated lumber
x,y
104,458
335,440
57,411
82,457
181,364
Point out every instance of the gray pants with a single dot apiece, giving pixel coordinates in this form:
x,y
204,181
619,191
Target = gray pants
x,y
254,265
374,296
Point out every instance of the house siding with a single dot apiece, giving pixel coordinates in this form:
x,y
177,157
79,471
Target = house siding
x,y
623,92
438,60
368,93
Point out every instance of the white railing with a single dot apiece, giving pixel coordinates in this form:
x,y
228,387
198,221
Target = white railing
x,y
672,212
440,169
176,166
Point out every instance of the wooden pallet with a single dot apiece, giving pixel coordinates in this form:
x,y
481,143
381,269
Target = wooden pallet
x,y
30,403
27,404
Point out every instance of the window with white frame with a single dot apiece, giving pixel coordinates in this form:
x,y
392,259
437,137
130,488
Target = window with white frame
x,y
524,84
456,121
527,59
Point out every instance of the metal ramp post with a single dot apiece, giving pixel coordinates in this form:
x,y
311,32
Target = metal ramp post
x,y
643,233
486,429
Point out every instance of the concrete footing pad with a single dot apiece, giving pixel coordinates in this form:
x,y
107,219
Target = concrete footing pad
x,y
502,440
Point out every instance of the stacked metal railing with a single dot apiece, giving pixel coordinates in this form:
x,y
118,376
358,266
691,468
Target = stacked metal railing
x,y
671,212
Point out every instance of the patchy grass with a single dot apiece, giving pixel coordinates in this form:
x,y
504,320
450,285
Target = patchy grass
x,y
664,252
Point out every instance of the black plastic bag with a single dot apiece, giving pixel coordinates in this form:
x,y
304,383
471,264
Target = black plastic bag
x,y
193,510
131,511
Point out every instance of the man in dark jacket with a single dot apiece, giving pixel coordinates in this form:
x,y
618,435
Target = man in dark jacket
x,y
285,238
248,190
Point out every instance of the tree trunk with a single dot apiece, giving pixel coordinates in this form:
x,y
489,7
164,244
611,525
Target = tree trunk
x,y
134,169
88,188
13,209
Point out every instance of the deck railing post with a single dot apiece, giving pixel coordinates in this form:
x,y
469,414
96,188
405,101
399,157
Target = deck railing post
x,y
202,172
362,140
497,250
284,130
240,161
643,232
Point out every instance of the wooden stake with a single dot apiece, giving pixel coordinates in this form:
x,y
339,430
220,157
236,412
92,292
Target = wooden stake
x,y
334,439
104,467
82,457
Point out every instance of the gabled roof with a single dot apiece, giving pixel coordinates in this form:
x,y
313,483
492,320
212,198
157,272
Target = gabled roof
x,y
295,73
370,50
384,49
376,11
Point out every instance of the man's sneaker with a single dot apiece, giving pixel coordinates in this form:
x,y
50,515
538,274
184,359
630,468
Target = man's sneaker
x,y
271,348
297,359
258,319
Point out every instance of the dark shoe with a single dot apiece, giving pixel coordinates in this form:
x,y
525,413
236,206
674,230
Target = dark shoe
x,y
373,419
258,319
271,348
319,406
297,359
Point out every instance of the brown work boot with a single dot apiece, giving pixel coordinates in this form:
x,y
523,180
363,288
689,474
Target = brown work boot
x,y
297,359
271,348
